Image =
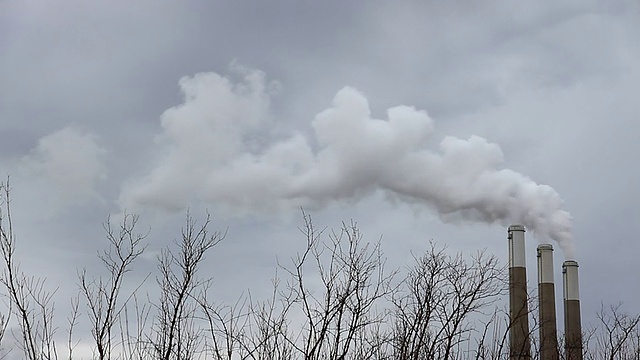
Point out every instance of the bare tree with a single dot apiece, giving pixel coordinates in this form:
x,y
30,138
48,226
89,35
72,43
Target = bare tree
x,y
440,294
102,295
133,324
73,321
175,334
491,342
266,332
336,301
332,306
342,309
616,336
31,302
224,325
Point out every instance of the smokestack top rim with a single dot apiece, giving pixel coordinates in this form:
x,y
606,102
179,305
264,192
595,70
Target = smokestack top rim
x,y
569,263
516,227
545,247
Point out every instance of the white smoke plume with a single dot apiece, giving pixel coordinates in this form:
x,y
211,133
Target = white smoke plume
x,y
218,152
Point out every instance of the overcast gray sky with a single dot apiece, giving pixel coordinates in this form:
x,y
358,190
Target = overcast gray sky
x,y
418,119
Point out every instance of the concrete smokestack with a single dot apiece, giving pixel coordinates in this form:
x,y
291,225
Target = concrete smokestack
x,y
519,341
572,322
547,304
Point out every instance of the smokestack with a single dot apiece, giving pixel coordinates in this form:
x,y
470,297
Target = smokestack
x,y
547,304
520,346
572,323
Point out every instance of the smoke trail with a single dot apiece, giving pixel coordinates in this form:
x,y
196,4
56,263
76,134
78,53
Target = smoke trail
x,y
218,152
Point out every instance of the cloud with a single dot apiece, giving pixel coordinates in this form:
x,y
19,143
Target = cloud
x,y
71,161
213,155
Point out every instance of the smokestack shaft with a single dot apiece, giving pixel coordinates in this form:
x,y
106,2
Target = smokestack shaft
x,y
572,321
520,345
547,304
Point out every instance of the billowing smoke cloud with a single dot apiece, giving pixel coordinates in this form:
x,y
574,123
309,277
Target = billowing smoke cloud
x,y
219,151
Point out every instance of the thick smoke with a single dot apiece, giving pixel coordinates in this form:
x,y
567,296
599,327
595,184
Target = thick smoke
x,y
220,150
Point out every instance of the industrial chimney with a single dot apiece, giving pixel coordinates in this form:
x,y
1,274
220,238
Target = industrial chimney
x,y
547,304
572,323
519,342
